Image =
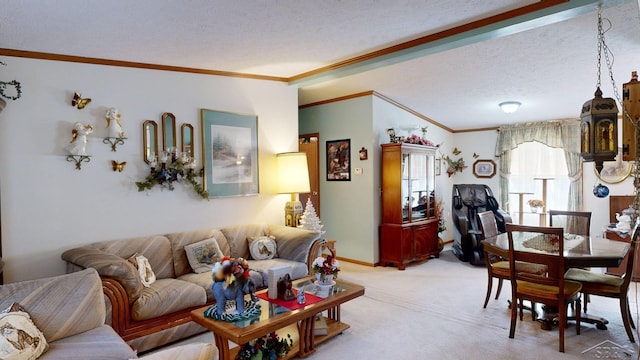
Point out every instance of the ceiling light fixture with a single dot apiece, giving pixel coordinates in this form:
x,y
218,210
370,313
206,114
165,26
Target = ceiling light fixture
x,y
510,107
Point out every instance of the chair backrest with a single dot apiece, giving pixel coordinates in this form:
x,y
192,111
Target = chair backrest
x,y
631,256
488,225
546,246
573,222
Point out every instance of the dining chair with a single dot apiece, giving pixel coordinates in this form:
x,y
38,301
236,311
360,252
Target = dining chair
x,y
612,286
573,222
498,267
546,248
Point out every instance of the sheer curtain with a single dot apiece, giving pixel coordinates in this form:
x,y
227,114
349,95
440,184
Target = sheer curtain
x,y
564,134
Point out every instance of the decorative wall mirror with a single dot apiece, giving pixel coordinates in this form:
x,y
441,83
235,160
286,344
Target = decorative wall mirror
x,y
187,138
149,140
169,131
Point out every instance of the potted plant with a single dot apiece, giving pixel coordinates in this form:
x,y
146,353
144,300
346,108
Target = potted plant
x,y
268,347
442,222
326,268
536,205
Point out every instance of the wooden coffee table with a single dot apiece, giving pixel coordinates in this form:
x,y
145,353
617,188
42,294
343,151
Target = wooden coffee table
x,y
298,323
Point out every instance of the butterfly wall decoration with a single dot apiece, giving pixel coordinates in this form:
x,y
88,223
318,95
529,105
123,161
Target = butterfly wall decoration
x,y
456,151
118,166
78,101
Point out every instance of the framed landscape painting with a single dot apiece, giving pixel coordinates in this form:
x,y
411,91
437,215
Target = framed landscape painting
x,y
229,153
339,160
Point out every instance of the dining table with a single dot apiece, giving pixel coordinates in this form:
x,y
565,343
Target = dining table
x,y
580,251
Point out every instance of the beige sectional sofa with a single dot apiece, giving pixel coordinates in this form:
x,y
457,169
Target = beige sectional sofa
x,y
147,317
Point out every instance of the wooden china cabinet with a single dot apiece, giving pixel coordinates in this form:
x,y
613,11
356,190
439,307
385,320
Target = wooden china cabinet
x,y
409,229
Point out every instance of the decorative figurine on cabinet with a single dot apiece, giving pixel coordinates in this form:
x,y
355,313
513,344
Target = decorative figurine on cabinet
x,y
113,123
78,141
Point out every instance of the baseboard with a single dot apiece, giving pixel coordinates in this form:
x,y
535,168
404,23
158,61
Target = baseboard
x,y
357,262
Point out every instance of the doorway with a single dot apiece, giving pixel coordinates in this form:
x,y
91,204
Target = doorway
x,y
309,144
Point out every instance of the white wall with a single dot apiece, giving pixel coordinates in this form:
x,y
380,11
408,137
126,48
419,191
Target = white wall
x,y
48,206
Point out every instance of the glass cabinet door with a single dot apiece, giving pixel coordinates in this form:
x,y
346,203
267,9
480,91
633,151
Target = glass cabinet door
x,y
405,187
419,190
418,186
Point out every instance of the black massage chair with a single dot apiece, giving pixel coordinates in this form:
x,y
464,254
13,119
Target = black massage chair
x,y
468,201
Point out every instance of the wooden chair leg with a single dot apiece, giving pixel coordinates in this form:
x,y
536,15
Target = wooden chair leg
x,y
499,288
578,316
521,307
586,301
489,286
624,310
514,314
562,318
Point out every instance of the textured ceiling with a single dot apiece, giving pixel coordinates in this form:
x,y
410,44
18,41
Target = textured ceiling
x,y
550,69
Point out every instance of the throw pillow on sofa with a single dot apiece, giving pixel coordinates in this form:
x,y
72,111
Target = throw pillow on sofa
x,y
263,247
20,338
147,276
203,255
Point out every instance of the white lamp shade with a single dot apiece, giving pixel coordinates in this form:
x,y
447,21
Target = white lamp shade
x,y
293,173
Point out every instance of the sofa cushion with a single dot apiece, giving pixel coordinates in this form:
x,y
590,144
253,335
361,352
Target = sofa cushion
x,y
194,351
237,237
20,338
156,248
293,243
262,247
60,306
166,296
98,343
180,239
203,255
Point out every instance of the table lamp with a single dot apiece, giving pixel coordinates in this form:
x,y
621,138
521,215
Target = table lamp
x,y
293,178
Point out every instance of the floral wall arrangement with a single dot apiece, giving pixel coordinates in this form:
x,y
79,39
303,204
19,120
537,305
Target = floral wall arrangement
x,y
454,166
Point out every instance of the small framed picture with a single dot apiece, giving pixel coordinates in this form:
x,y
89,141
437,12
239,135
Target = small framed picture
x,y
438,166
339,160
363,154
484,169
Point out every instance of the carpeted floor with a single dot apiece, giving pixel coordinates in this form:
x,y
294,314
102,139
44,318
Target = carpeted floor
x,y
433,310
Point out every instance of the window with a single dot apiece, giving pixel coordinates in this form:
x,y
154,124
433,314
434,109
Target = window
x,y
531,163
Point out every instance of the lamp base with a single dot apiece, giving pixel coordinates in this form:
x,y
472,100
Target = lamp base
x,y
292,213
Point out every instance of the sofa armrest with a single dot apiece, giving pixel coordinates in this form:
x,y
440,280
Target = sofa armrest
x,y
108,266
295,244
119,300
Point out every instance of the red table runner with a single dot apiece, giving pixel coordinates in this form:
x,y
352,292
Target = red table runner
x,y
291,304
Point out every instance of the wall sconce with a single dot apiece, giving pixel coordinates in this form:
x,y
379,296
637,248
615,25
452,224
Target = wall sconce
x,y
173,167
293,178
509,107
